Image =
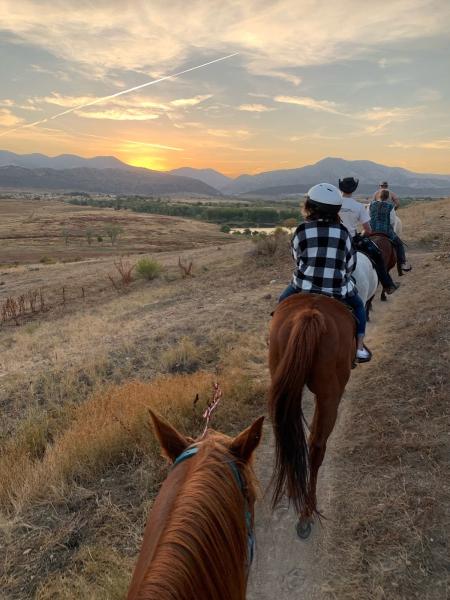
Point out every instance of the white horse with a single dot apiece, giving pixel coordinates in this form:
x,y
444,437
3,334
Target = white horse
x,y
366,280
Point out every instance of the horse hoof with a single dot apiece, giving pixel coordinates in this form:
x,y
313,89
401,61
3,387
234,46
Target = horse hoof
x,y
383,299
303,529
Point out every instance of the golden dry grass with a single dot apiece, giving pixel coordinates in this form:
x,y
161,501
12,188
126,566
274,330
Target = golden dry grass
x,y
107,429
56,461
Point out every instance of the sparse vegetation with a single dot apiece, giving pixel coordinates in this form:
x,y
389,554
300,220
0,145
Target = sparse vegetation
x,y
47,260
112,230
184,357
89,236
148,268
125,270
66,236
186,267
276,243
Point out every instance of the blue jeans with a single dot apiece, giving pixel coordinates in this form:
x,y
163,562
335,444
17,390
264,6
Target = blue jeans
x,y
399,248
354,302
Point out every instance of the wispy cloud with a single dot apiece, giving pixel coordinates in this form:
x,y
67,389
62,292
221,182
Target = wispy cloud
x,y
257,108
391,61
397,113
182,102
229,133
8,118
130,114
311,103
442,144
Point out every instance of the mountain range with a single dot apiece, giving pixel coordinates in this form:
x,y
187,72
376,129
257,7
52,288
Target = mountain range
x,y
108,174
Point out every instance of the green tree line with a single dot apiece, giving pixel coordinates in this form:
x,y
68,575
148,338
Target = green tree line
x,y
252,216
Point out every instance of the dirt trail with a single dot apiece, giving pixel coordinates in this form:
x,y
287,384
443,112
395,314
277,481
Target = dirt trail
x,y
285,567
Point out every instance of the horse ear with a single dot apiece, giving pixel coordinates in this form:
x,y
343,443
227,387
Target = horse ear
x,y
172,442
246,442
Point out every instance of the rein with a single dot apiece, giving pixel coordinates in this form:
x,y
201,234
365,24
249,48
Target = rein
x,y
192,451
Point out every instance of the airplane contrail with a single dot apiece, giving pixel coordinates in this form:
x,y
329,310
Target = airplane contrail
x,y
128,91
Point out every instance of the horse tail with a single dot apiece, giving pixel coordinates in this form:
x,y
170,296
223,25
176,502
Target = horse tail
x,y
291,474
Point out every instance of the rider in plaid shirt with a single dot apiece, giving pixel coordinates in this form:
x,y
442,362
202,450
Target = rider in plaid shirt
x,y
322,249
325,259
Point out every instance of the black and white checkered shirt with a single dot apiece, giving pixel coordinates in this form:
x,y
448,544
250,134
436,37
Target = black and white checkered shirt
x,y
325,259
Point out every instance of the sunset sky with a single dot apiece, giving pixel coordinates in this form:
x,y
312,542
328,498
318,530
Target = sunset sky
x,y
312,78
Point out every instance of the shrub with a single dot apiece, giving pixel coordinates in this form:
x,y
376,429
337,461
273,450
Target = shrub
x,y
148,268
99,239
225,229
125,270
89,236
47,260
113,231
290,223
269,245
182,358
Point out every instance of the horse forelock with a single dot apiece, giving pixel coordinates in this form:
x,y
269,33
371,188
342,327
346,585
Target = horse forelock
x,y
205,536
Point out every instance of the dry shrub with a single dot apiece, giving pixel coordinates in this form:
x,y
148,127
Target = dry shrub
x,y
125,270
98,572
110,428
186,267
275,244
184,357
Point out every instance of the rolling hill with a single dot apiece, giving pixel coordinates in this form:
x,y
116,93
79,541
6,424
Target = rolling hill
x,y
109,181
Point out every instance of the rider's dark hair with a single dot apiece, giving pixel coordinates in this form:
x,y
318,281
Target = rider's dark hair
x,y
384,195
313,211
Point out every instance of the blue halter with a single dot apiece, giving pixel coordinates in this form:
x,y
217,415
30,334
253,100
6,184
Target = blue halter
x,y
191,451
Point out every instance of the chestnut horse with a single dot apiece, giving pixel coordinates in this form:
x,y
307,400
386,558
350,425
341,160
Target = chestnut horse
x,y
389,254
312,343
198,540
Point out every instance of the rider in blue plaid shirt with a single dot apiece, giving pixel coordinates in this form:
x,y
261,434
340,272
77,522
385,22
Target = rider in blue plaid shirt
x,y
323,251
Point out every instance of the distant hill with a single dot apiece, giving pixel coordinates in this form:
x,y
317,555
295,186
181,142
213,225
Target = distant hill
x,y
89,174
110,181
291,181
63,161
209,176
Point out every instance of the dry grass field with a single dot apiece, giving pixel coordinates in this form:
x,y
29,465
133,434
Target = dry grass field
x,y
79,469
32,230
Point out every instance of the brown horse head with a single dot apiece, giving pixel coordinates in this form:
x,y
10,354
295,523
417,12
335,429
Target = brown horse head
x,y
197,542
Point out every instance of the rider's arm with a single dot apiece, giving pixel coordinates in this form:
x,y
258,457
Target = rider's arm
x,y
367,228
396,201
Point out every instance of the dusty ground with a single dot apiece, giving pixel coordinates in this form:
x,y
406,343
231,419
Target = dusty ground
x,y
57,359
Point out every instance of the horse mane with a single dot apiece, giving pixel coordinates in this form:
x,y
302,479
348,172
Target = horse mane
x,y
202,552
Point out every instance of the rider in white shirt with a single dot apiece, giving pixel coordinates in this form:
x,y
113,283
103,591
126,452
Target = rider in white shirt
x,y
353,215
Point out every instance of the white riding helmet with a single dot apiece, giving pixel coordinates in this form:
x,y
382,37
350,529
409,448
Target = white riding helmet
x,y
325,193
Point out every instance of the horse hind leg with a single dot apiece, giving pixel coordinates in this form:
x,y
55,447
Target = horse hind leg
x,y
369,307
324,419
